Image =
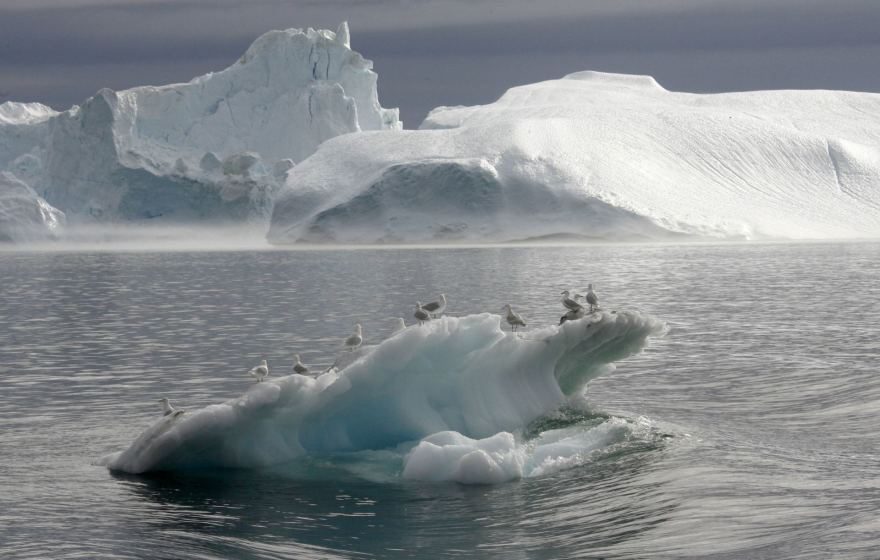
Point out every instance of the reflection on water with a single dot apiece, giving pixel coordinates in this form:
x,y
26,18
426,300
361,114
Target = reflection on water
x,y
766,384
234,512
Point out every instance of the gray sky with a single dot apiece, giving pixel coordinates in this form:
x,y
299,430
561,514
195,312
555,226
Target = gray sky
x,y
447,52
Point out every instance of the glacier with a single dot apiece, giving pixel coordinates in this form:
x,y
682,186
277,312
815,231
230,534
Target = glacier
x,y
599,156
212,149
446,396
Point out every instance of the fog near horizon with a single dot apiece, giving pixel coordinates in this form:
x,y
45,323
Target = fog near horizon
x,y
429,54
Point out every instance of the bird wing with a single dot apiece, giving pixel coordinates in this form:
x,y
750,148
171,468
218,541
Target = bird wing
x,y
433,306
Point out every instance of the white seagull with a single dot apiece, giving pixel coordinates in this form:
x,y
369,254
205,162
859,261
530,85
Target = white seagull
x,y
591,298
421,315
570,303
298,366
356,339
261,371
436,308
399,325
514,319
167,409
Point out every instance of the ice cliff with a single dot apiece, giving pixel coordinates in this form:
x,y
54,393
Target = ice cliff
x,y
211,149
599,156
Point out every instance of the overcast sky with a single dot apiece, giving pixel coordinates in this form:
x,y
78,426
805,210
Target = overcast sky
x,y
447,52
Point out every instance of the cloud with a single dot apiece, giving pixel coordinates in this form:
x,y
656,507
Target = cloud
x,y
458,51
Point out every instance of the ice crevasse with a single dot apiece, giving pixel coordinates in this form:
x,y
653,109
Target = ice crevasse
x,y
454,389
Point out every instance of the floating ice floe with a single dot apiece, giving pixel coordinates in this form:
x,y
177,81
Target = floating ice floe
x,y
460,385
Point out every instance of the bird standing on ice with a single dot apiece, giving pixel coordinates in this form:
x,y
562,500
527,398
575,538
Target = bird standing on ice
x,y
514,319
569,303
298,366
421,315
261,371
572,315
436,308
591,298
356,339
167,409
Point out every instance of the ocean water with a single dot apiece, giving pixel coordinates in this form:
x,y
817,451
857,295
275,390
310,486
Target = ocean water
x,y
752,425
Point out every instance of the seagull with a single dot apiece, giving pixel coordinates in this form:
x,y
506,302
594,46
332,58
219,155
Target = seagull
x,y
400,325
298,366
261,371
514,319
436,308
572,315
168,409
570,303
355,340
591,298
421,314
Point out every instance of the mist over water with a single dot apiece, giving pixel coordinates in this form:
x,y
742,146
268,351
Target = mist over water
x,y
747,430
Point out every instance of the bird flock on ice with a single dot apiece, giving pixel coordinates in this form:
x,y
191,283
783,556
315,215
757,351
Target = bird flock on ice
x,y
423,313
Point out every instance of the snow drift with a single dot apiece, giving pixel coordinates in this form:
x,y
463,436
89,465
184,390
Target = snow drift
x,y
462,375
600,156
211,149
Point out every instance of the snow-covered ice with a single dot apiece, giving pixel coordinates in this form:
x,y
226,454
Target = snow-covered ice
x,y
600,156
210,149
451,381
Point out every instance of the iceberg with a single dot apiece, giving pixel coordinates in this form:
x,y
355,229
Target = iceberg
x,y
602,156
462,385
24,215
214,148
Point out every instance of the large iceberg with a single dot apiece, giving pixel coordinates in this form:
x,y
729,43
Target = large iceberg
x,y
213,148
597,155
461,383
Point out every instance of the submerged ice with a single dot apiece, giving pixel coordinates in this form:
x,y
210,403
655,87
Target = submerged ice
x,y
455,390
451,456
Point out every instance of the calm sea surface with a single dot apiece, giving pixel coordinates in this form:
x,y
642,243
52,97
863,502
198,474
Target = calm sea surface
x,y
767,389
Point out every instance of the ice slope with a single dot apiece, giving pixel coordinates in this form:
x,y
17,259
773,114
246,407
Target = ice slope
x,y
453,374
212,148
25,216
12,113
600,155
